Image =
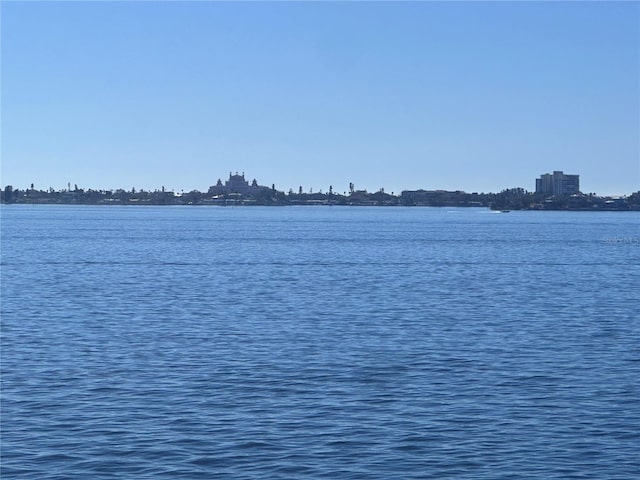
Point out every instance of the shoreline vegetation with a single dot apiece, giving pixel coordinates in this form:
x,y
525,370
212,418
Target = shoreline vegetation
x,y
508,199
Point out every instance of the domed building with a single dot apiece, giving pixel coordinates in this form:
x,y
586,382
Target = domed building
x,y
236,184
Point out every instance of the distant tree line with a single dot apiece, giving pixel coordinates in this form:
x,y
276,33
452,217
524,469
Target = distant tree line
x,y
508,199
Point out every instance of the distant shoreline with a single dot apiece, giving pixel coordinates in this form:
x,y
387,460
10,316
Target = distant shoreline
x,y
238,192
609,208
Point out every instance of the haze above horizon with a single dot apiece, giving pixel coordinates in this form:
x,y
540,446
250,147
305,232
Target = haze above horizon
x,y
476,96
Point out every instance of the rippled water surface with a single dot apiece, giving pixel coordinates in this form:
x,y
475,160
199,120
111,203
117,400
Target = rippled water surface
x,y
329,342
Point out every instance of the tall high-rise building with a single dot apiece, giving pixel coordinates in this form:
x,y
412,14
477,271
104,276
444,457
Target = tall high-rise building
x,y
558,183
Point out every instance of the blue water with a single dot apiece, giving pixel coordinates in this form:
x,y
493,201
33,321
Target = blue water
x,y
319,342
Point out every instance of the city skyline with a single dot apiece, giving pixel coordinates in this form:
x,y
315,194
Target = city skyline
x,y
557,191
557,184
470,96
551,184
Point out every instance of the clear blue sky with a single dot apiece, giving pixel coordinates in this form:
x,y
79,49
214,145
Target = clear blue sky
x,y
477,96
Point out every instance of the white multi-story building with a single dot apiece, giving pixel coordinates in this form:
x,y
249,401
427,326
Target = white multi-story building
x,y
558,183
